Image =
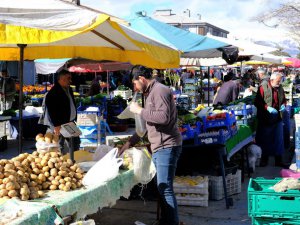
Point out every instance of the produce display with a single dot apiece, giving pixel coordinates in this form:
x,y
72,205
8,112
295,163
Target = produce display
x,y
27,176
33,89
47,143
189,180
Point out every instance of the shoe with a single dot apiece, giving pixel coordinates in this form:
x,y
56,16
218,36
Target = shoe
x,y
282,165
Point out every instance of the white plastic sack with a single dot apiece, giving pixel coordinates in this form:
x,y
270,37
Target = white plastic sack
x,y
140,125
143,167
101,151
126,114
104,170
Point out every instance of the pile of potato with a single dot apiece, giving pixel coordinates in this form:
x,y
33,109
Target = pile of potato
x,y
27,175
48,138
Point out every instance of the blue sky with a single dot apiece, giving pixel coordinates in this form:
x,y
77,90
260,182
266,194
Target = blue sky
x,y
231,15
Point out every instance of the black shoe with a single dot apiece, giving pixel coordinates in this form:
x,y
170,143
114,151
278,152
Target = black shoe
x,y
282,165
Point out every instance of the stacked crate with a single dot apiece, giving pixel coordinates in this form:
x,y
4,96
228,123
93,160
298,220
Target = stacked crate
x,y
265,206
191,190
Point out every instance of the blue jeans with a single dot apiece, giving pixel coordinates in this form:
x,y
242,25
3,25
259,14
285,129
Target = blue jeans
x,y
165,161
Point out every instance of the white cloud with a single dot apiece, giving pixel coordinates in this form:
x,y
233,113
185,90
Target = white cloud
x,y
231,15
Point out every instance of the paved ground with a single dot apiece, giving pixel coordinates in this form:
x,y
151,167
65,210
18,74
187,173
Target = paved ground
x,y
127,212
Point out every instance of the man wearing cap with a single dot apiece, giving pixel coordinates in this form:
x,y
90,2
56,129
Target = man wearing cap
x,y
160,114
61,108
7,91
270,102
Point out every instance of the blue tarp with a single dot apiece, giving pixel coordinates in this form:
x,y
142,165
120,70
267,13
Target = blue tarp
x,y
187,42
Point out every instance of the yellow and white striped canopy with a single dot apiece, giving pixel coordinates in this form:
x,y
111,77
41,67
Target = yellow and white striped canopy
x,y
58,29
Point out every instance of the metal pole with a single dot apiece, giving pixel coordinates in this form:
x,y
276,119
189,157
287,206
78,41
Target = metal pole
x,y
21,66
208,84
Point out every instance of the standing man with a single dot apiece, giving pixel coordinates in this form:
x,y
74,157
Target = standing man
x,y
270,102
7,91
160,114
60,105
228,92
262,77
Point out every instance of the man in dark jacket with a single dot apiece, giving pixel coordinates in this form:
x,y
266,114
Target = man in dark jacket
x,y
160,114
228,92
7,91
270,103
61,108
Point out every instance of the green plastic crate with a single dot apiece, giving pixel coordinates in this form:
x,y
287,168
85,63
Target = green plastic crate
x,y
270,221
265,202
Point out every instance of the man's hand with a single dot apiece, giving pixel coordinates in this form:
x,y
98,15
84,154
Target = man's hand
x,y
135,108
123,148
57,130
272,110
282,108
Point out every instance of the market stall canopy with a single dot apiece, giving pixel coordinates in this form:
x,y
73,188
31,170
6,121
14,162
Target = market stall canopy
x,y
58,29
246,48
192,45
295,62
202,62
79,65
267,57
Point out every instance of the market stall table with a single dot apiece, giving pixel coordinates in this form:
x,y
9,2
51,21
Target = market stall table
x,y
77,203
186,164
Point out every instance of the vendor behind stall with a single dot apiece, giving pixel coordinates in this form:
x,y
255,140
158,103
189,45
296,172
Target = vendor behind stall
x,y
228,92
60,105
7,91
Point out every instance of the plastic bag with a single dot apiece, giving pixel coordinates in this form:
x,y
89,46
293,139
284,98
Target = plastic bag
x,y
104,170
143,167
140,123
254,153
101,151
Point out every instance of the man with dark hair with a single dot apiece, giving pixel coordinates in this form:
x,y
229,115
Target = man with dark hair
x,y
7,90
160,115
228,92
61,108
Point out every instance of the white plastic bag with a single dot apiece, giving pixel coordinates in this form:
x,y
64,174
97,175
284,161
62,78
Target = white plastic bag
x,y
101,151
143,167
104,170
140,123
254,153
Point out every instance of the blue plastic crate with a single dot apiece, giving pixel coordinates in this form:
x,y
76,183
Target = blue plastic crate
x,y
227,122
89,131
220,138
99,111
191,132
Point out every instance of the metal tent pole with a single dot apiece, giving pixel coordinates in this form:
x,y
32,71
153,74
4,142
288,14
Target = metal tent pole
x,y
21,66
208,85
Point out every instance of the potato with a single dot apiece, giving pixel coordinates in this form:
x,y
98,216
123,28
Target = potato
x,y
79,170
1,175
2,186
12,193
63,173
38,136
42,177
71,174
61,187
41,139
46,168
69,184
39,181
17,163
78,184
44,162
24,197
53,172
1,181
55,138
50,164
34,195
32,184
6,180
41,194
3,192
78,175
73,186
45,185
9,166
20,172
73,168
10,186
58,178
62,181
24,191
35,153
47,174
68,179
53,187
33,176
48,140
33,165
66,188
55,182
25,162
51,178
37,160
36,171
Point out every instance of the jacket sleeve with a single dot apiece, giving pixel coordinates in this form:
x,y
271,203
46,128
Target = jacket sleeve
x,y
159,110
52,109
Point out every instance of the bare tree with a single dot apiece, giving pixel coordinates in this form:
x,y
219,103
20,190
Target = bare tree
x,y
286,15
